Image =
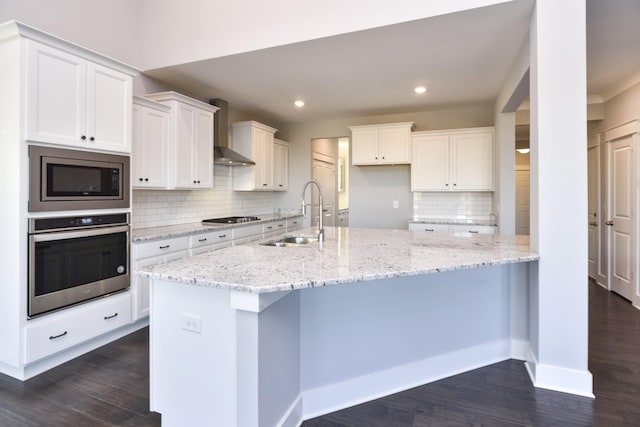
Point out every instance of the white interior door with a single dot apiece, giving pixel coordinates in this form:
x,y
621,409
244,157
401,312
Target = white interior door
x,y
522,201
622,215
324,171
593,173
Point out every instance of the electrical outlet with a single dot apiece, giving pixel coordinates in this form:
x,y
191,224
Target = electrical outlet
x,y
192,323
395,204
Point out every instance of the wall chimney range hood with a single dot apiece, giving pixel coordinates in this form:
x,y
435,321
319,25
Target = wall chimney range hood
x,y
222,154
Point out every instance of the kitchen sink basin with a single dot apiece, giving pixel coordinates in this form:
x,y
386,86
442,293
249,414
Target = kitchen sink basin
x,y
291,241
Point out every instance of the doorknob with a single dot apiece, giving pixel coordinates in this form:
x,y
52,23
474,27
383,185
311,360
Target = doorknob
x,y
609,223
595,224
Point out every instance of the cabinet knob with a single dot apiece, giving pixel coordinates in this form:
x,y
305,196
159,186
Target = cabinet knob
x,y
92,139
194,181
141,179
83,137
264,185
446,185
146,179
609,223
454,184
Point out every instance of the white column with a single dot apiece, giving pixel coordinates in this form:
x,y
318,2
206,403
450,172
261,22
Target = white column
x,y
559,297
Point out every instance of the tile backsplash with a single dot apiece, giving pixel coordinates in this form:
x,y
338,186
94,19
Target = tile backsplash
x,y
469,205
153,208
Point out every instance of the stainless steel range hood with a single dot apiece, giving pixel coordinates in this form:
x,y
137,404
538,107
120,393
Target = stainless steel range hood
x,y
222,154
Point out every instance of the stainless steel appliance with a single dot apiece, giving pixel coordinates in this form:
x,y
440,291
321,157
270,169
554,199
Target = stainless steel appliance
x,y
230,220
75,259
62,180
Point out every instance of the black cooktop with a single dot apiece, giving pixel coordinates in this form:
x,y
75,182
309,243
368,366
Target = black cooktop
x,y
230,220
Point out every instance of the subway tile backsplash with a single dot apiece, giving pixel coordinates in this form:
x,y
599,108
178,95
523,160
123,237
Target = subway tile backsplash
x,y
470,205
153,208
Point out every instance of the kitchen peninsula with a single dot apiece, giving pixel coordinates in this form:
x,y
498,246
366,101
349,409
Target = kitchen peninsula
x,y
256,335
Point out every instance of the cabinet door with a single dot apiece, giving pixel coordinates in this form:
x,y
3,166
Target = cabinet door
x,y
150,144
395,145
203,149
430,163
440,228
263,156
364,147
55,96
108,109
472,161
280,166
140,287
184,136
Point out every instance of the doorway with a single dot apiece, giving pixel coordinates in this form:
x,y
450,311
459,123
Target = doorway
x,y
326,168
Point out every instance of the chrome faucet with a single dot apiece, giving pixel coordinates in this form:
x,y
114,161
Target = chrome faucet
x,y
320,207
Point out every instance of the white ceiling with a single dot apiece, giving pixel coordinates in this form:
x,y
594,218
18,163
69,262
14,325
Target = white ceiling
x,y
461,58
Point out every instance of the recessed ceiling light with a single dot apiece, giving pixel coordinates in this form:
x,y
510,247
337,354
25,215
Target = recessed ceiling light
x,y
420,89
299,103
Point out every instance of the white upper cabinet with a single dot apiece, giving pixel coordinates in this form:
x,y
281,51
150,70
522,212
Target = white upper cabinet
x,y
150,154
452,160
190,151
381,144
255,141
75,102
280,165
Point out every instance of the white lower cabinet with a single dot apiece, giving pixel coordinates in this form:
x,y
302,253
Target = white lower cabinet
x,y
274,228
293,224
454,228
58,331
205,242
149,253
247,234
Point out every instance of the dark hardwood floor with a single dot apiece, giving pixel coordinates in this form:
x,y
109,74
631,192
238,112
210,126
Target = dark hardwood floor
x,y
109,387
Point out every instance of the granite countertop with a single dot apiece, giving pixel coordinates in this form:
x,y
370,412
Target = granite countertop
x,y
168,231
348,255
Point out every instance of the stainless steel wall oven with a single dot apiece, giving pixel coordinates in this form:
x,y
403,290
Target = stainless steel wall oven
x,y
75,259
61,180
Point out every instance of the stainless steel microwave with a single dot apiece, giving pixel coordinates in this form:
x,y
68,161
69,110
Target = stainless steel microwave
x,y
62,180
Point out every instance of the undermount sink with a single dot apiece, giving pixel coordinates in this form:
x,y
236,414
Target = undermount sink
x,y
291,241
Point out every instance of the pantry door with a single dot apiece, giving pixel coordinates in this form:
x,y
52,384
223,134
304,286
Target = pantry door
x,y
622,213
324,171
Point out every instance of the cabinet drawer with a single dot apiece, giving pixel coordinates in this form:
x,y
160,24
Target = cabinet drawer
x,y
294,223
210,238
207,248
273,228
474,229
160,247
444,228
58,331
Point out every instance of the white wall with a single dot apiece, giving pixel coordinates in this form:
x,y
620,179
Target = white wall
x,y
109,27
620,109
190,30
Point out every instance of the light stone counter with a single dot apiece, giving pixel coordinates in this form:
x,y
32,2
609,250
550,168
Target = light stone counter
x,y
168,231
348,255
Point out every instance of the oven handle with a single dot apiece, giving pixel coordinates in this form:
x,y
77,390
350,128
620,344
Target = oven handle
x,y
61,235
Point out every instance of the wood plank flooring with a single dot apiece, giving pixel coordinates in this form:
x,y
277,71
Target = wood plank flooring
x,y
109,387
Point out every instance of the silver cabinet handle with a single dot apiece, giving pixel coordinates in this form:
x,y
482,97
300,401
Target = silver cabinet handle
x,y
609,223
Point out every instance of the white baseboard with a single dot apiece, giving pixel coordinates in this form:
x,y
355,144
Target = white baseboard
x,y
293,416
556,378
337,396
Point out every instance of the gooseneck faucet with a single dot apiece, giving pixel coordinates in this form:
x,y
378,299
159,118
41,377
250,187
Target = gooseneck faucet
x,y
320,207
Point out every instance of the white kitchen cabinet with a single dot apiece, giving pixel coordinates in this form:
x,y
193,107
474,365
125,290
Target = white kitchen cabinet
x,y
247,233
58,331
453,228
452,160
75,102
293,224
273,228
150,253
211,241
150,144
280,165
190,140
381,144
255,141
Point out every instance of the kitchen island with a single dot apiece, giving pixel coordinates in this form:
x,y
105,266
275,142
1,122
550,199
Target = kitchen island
x,y
256,335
